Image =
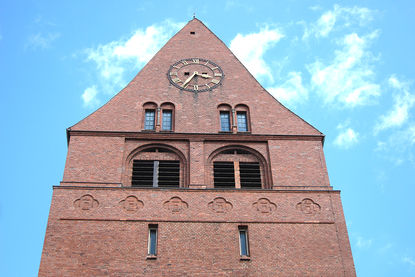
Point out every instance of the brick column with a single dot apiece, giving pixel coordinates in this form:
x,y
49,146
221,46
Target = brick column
x,y
197,166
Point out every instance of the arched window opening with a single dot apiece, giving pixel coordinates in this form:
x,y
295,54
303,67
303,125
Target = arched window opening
x,y
242,118
225,118
238,168
150,109
157,167
167,117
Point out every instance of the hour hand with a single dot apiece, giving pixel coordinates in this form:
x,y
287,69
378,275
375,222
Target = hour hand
x,y
204,75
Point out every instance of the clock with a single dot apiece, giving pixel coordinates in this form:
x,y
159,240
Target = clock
x,y
195,74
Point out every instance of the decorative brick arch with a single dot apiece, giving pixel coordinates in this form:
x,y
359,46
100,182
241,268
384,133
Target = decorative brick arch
x,y
253,155
172,154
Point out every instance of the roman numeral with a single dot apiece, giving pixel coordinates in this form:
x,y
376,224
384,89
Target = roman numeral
x,y
176,80
195,87
175,66
218,74
195,60
215,81
173,73
213,68
185,62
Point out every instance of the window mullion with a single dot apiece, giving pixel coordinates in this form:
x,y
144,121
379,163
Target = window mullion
x,y
156,174
237,175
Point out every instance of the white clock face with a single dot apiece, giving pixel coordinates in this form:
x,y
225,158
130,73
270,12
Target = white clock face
x,y
195,74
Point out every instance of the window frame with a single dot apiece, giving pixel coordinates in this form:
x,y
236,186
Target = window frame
x,y
146,112
152,241
245,117
228,121
244,253
163,119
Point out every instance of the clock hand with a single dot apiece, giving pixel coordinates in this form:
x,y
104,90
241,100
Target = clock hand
x,y
189,79
204,76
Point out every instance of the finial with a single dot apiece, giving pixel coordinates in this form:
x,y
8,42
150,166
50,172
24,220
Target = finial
x,y
194,15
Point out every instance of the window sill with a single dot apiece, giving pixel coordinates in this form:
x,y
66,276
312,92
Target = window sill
x,y
166,131
148,131
246,132
225,132
245,258
151,257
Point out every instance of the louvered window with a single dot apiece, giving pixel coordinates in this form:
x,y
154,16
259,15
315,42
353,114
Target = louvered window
x,y
224,174
245,175
147,173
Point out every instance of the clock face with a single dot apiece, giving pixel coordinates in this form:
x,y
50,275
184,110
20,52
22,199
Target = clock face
x,y
195,75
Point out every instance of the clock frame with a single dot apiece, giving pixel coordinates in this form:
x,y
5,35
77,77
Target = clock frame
x,y
195,75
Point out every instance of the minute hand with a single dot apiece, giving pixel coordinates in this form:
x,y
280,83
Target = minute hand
x,y
189,79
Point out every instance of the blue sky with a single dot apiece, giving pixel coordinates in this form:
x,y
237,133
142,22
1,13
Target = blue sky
x,y
344,66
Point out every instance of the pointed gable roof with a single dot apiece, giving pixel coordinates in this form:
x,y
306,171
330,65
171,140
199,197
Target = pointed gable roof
x,y
195,112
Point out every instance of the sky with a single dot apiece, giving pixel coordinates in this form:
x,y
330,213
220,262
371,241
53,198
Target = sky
x,y
346,67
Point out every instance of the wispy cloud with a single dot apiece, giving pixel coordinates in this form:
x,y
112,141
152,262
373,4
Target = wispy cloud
x,y
409,260
363,243
250,49
89,97
340,16
292,91
41,40
349,78
113,59
347,136
403,102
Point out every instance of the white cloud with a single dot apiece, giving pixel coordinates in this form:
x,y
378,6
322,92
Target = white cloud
x,y
341,16
349,78
41,41
347,137
114,59
250,49
363,243
291,91
90,96
403,102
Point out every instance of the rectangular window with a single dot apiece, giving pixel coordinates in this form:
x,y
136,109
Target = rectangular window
x,y
243,241
223,174
225,125
242,122
152,239
149,120
167,120
147,173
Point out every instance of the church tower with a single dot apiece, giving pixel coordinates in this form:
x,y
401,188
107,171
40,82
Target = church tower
x,y
194,169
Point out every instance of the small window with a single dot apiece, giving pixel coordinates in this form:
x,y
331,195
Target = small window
x,y
242,122
152,240
167,120
243,241
225,125
149,120
192,33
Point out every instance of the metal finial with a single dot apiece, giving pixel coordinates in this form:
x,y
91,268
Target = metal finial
x,y
194,15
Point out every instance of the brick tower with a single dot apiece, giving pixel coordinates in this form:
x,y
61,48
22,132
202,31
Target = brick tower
x,y
194,169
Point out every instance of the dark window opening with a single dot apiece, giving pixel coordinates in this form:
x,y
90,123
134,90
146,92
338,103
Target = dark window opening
x,y
243,240
250,175
192,33
147,173
152,240
167,120
186,73
242,121
225,124
224,174
149,119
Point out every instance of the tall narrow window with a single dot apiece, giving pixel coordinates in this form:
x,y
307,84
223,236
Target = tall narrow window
x,y
152,240
167,120
242,122
225,125
149,119
243,241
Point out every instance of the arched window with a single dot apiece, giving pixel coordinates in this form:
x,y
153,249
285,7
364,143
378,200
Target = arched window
x,y
156,166
225,117
167,117
242,118
149,116
239,167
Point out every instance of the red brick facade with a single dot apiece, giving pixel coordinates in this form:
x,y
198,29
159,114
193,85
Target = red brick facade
x,y
99,223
